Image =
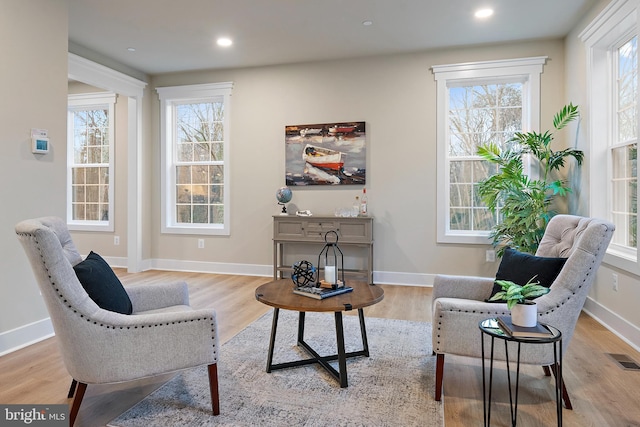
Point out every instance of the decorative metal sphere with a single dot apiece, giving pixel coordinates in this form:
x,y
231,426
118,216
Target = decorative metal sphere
x,y
303,273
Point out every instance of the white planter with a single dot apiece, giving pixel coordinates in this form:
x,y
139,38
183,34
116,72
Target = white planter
x,y
525,314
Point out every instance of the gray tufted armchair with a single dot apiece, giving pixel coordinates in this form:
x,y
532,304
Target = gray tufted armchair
x,y
164,334
458,301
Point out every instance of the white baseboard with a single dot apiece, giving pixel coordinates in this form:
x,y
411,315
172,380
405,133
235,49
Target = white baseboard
x,y
24,336
212,267
120,262
404,279
29,334
619,326
379,277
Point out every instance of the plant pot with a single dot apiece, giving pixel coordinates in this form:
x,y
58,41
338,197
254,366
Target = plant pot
x,y
525,314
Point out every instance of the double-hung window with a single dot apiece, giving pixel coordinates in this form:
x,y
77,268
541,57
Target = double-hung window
x,y
195,158
624,144
90,134
612,69
478,103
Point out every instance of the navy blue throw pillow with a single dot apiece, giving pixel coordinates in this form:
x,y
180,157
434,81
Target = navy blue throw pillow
x,y
519,267
102,284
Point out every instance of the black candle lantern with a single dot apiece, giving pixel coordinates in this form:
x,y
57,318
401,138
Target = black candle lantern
x,y
331,260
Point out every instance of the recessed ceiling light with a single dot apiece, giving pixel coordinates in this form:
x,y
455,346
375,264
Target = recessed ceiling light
x,y
131,49
484,13
367,23
224,41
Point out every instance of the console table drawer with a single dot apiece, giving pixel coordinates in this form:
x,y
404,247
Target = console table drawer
x,y
284,229
350,230
316,230
357,232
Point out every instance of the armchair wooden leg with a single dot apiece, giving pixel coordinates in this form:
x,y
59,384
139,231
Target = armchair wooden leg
x,y
565,394
213,386
77,400
72,388
547,371
439,373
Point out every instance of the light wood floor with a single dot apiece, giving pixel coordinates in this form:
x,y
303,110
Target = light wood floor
x,y
602,393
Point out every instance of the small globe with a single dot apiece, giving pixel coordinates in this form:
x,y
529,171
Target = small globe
x,y
303,273
283,195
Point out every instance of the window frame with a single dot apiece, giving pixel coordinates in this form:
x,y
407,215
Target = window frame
x,y
80,102
524,70
171,96
601,38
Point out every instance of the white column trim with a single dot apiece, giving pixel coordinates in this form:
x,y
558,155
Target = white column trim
x,y
98,75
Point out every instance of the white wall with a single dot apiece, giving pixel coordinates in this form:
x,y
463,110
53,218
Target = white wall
x,y
395,96
33,72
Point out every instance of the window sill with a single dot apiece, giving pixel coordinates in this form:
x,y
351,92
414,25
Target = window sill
x,y
622,261
464,238
90,226
196,230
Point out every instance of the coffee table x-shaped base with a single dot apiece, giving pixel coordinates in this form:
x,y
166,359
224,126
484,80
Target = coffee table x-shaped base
x,y
341,356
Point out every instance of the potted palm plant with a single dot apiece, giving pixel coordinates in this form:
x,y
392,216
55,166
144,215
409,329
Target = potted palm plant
x,y
524,204
524,311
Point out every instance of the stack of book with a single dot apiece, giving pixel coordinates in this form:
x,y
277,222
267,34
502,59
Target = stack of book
x,y
537,331
320,293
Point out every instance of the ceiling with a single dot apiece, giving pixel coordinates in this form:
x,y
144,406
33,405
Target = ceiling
x,y
180,35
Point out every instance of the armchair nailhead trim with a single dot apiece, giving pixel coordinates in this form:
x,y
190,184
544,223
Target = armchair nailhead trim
x,y
108,326
436,346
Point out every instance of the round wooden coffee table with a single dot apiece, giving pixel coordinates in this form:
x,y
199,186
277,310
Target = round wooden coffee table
x,y
279,294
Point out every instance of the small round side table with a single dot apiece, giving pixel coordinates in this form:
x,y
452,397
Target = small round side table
x,y
491,328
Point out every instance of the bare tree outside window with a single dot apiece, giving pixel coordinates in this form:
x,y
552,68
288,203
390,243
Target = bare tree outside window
x,y
199,163
478,114
624,147
90,168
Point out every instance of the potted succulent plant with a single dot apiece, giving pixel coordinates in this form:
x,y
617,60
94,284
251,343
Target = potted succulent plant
x,y
524,311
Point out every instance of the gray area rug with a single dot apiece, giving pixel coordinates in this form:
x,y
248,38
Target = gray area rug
x,y
392,387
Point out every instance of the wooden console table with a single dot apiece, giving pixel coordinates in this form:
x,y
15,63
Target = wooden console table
x,y
352,231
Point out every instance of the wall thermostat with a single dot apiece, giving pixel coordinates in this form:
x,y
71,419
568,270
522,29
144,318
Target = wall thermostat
x,y
39,141
39,145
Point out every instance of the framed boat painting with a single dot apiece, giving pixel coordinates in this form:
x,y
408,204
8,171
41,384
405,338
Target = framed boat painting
x,y
326,154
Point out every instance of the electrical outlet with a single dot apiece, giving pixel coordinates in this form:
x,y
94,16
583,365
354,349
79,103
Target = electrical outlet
x,y
490,255
614,279
200,243
116,240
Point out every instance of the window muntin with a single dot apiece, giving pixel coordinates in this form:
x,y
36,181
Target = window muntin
x,y
612,85
482,98
624,147
90,161
196,158
478,114
199,163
